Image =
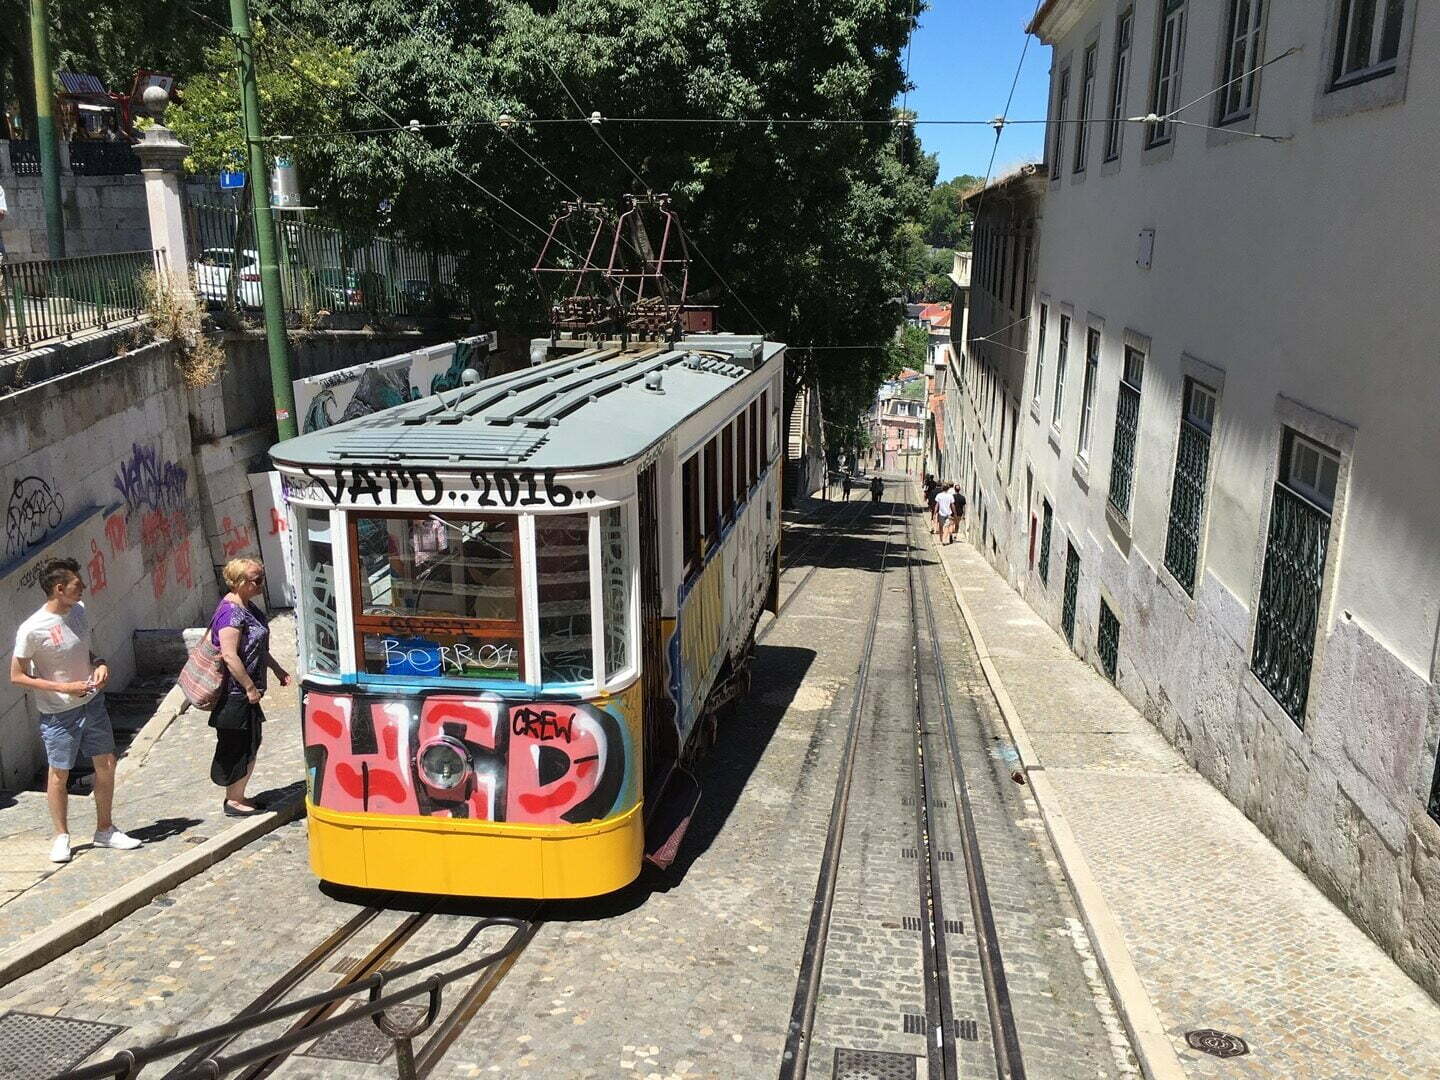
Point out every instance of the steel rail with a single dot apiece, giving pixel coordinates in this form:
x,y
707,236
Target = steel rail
x,y
794,1060
129,1063
835,539
1009,1061
283,985
939,1004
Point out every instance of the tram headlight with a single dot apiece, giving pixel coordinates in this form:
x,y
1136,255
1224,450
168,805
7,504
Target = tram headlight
x,y
443,762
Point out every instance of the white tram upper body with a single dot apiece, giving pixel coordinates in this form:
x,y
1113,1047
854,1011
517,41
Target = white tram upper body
x,y
517,602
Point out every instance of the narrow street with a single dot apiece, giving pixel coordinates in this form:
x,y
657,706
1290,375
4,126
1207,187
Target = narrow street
x,y
693,973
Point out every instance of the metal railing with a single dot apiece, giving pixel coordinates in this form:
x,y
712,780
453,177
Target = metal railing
x,y
103,159
45,299
25,157
322,269
129,1063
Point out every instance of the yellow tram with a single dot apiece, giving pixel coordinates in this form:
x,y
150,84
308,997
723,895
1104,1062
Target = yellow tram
x,y
521,604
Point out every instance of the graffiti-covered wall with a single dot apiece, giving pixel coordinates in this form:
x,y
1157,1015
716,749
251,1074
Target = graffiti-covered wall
x,y
98,468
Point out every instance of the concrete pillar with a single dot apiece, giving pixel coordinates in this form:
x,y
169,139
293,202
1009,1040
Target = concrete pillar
x,y
160,156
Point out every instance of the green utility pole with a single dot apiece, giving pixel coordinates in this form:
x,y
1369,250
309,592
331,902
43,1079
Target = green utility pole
x,y
270,293
45,128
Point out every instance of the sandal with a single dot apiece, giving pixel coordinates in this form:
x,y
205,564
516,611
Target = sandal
x,y
236,811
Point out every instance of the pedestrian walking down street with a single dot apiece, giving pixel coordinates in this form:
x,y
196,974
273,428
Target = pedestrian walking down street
x,y
877,489
241,632
54,661
930,488
845,486
959,506
945,511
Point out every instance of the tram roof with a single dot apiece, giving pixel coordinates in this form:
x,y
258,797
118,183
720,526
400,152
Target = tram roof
x,y
582,411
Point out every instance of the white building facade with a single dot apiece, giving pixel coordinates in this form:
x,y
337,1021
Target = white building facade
x,y
1229,415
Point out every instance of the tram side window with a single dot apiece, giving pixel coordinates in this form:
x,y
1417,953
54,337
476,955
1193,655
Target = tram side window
x,y
711,505
437,597
727,492
764,440
690,511
615,574
754,442
317,590
562,573
742,454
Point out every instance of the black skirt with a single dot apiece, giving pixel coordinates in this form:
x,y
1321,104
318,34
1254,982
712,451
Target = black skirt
x,y
237,725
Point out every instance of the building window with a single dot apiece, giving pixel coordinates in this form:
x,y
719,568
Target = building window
x,y
1062,102
1242,54
1061,352
1294,572
1087,101
1187,494
1040,351
1119,80
1107,641
1127,431
1165,88
1367,41
1046,517
1072,590
1087,394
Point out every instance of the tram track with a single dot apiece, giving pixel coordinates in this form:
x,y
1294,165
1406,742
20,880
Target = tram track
x,y
935,770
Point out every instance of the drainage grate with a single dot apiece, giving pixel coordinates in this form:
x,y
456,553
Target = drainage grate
x,y
346,964
1220,1044
914,1023
911,922
946,856
873,1065
954,926
907,853
33,1047
193,839
968,1030
361,1040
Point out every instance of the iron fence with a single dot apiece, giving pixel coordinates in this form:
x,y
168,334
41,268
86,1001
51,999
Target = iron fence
x,y
1072,588
46,299
1289,608
322,269
103,159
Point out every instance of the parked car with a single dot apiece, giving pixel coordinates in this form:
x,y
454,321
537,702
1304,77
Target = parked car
x,y
415,294
339,288
214,269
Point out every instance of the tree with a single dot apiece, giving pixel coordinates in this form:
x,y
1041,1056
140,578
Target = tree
x,y
943,221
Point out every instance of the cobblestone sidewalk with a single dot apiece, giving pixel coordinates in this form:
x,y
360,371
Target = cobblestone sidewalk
x,y
169,802
1224,932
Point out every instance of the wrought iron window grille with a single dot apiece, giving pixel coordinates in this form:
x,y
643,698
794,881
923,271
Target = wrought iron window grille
x,y
1187,493
1045,544
1108,641
1072,588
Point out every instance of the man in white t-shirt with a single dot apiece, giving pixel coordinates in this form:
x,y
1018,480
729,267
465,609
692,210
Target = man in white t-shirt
x,y
54,662
945,510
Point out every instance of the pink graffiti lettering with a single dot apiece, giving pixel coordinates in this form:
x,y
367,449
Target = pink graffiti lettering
x,y
184,575
115,533
234,539
96,567
278,524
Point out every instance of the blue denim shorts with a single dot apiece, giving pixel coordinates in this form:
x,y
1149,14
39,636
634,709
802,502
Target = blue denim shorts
x,y
83,731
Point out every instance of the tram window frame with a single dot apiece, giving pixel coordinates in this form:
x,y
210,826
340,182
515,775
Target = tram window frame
x,y
691,532
754,411
742,456
729,502
481,629
710,490
764,428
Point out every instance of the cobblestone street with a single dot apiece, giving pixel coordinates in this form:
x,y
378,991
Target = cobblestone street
x,y
693,972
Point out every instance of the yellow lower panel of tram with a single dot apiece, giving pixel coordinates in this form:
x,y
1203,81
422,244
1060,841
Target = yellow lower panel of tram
x,y
467,858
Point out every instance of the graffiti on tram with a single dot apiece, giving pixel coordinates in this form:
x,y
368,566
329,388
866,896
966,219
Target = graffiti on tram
x,y
381,485
543,763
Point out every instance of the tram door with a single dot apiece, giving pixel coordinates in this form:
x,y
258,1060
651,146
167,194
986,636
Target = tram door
x,y
660,741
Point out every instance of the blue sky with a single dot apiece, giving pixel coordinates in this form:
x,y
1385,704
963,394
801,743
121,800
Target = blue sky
x,y
962,60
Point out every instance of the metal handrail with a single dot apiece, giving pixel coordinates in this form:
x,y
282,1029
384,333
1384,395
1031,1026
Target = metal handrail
x,y
43,299
128,1063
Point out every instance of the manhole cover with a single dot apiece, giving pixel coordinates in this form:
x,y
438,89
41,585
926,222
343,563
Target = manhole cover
x,y
873,1065
33,1047
1221,1044
361,1040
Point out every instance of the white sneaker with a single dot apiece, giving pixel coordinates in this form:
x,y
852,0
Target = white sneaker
x,y
114,838
60,849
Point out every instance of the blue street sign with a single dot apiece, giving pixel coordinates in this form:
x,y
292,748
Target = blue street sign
x,y
231,181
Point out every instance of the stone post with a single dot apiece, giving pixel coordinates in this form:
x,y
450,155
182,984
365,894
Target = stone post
x,y
160,156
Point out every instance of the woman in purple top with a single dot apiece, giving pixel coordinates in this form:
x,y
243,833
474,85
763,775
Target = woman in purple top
x,y
241,632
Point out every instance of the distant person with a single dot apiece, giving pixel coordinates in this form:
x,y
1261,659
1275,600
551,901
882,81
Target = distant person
x,y
877,489
241,632
53,660
931,487
945,510
845,485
